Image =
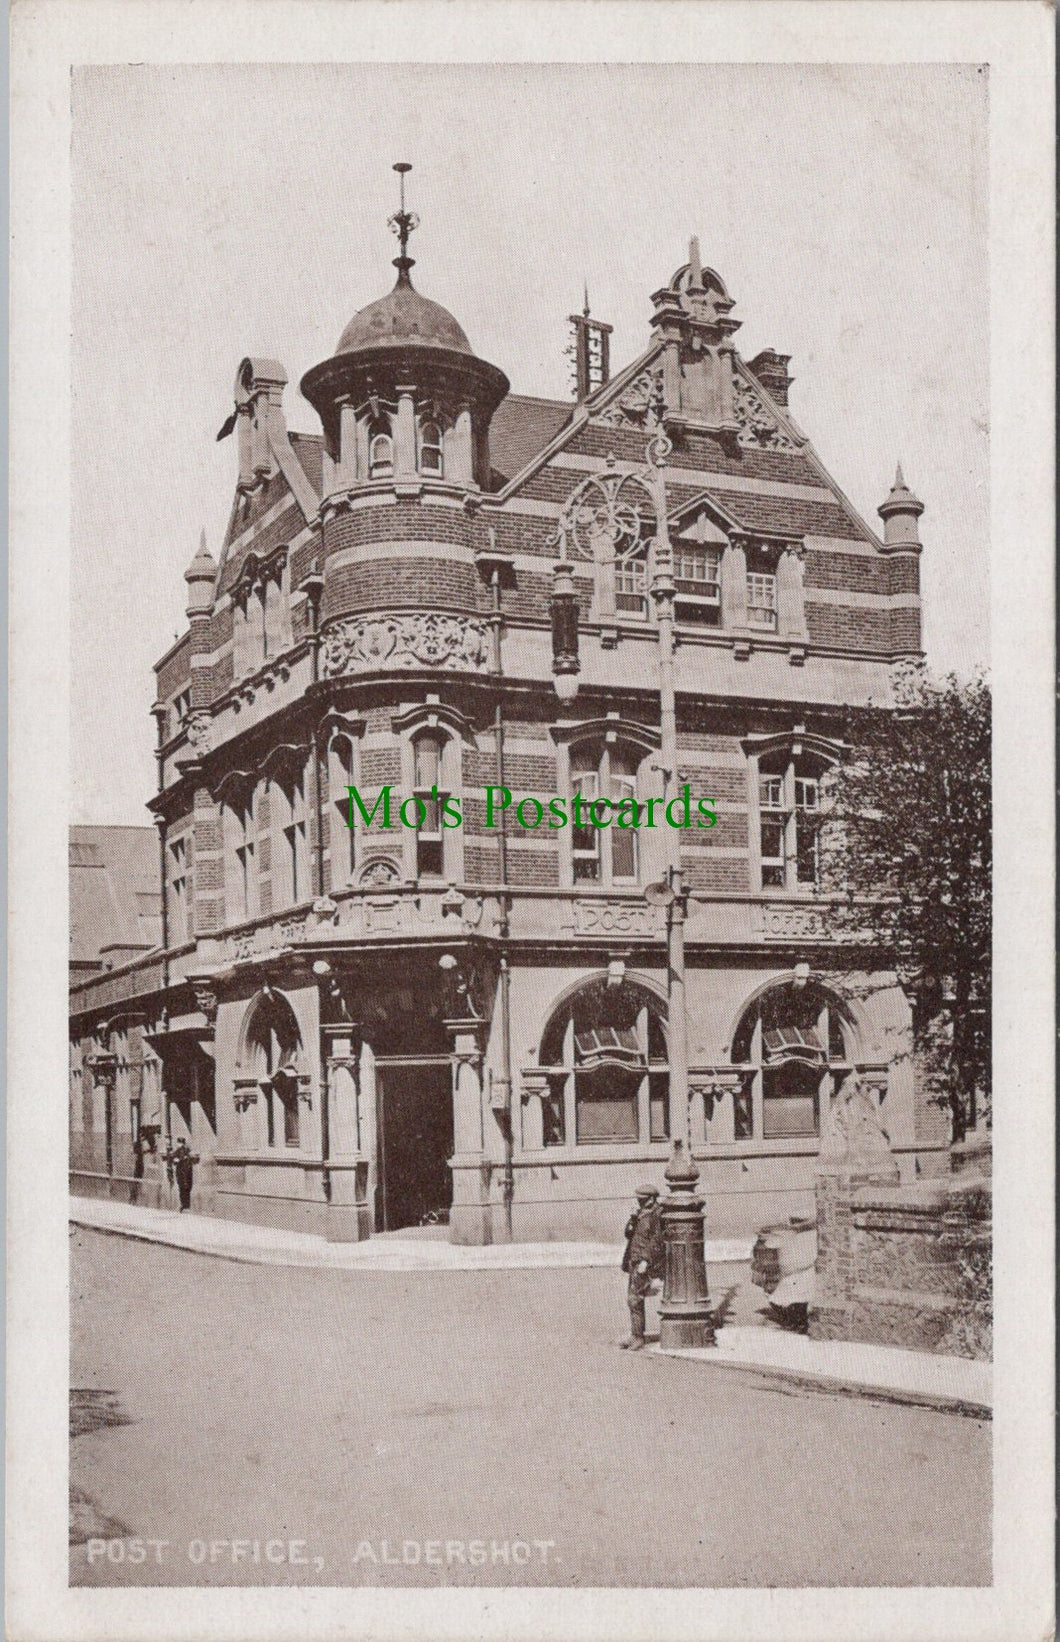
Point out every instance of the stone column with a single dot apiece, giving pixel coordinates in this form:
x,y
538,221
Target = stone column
x,y
460,451
347,467
791,611
734,592
348,1216
405,436
469,1217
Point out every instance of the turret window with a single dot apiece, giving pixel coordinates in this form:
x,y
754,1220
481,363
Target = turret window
x,y
380,449
431,460
430,840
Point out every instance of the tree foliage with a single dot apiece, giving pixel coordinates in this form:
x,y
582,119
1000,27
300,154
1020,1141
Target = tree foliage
x,y
907,854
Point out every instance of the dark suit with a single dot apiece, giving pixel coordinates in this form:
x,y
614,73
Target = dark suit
x,y
183,1163
644,1246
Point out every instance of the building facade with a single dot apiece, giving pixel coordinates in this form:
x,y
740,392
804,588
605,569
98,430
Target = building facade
x,y
452,589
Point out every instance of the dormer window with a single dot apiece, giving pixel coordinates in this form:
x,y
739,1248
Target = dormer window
x,y
380,449
431,460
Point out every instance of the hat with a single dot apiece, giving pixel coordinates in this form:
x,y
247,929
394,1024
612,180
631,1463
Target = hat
x,y
646,1191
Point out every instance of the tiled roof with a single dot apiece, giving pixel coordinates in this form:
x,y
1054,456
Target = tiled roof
x,y
522,427
307,448
114,897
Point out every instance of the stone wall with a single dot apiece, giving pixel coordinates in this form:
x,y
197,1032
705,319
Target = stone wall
x,y
904,1265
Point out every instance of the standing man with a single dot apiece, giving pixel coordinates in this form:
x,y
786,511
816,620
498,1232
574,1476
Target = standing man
x,y
183,1162
644,1260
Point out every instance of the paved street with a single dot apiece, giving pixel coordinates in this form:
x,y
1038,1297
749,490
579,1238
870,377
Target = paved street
x,y
478,1428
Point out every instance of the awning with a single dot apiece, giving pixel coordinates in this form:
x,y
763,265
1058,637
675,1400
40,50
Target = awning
x,y
614,1045
793,1043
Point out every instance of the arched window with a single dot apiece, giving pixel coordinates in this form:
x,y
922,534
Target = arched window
x,y
273,1056
428,788
380,449
796,1044
289,818
605,854
240,829
431,460
341,837
605,1059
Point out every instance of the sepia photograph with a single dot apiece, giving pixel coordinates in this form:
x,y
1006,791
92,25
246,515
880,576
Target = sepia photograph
x,y
531,836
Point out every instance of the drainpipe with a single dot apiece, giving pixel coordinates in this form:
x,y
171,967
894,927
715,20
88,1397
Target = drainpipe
x,y
508,1178
312,586
159,711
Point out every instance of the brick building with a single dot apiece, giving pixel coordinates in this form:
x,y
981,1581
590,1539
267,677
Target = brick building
x,y
368,1027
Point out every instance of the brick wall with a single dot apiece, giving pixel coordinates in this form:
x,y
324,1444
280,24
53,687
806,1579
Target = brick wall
x,y
401,582
175,672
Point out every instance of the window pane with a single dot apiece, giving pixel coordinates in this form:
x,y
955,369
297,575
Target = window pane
x,y
429,856
761,601
806,853
606,1104
789,1103
623,852
290,1120
659,1106
428,758
553,1123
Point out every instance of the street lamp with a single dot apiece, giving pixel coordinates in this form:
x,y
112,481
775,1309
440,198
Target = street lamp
x,y
684,1315
605,521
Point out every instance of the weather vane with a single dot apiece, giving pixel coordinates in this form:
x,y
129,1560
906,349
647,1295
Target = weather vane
x,y
403,223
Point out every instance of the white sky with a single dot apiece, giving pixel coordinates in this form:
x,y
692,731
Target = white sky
x,y
225,211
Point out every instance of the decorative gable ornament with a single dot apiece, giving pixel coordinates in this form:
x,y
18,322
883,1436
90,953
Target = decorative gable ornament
x,y
758,428
632,408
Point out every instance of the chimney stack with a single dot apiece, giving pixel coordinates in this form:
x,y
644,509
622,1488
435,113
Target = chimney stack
x,y
771,369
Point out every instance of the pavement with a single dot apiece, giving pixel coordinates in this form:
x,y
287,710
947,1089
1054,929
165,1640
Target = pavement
x,y
749,1340
246,1424
274,1246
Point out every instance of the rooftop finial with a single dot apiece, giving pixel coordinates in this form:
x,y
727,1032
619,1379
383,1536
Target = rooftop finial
x,y
899,481
695,266
403,223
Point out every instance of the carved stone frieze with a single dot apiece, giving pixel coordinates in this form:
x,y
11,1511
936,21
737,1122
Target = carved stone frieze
x,y
758,429
430,639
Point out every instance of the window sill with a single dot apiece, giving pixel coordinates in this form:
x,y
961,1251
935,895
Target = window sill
x,y
588,1151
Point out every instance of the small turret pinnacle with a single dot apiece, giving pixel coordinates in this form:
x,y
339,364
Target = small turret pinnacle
x,y
403,223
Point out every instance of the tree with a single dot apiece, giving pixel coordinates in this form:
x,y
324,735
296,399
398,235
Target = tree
x,y
906,852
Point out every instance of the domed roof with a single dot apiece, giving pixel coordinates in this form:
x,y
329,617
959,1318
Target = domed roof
x,y
403,317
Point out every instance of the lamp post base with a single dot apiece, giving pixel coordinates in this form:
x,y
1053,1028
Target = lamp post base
x,y
685,1316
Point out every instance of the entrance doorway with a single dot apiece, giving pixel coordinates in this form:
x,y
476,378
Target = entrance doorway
x,y
414,1141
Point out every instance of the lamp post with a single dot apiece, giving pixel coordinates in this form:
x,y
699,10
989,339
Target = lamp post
x,y
685,1317
605,520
